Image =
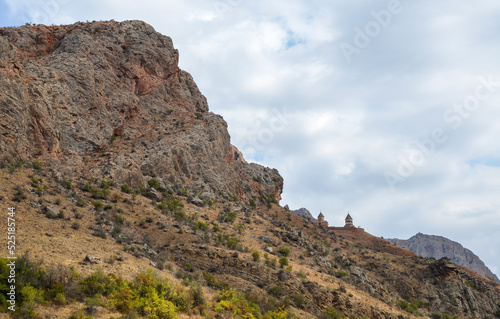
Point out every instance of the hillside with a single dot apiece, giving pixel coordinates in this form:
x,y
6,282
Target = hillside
x,y
439,247
131,202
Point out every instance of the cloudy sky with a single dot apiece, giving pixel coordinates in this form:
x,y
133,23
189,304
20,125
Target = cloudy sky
x,y
385,109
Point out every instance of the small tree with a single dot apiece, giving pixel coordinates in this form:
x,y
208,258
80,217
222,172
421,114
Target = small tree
x,y
283,261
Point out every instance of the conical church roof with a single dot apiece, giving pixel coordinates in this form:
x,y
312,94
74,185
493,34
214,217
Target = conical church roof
x,y
348,216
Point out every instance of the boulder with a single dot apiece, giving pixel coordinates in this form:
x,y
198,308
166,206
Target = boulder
x,y
91,260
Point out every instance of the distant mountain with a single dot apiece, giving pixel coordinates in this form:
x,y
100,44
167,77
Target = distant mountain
x,y
304,212
438,247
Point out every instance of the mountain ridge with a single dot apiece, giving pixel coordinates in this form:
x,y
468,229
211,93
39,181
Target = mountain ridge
x,y
439,247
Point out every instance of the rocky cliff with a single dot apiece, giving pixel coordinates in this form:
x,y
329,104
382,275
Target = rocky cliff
x,y
69,93
439,247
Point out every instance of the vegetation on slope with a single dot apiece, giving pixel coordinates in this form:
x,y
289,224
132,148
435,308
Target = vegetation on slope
x,y
222,260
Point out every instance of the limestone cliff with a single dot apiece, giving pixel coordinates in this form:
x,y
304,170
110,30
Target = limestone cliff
x,y
108,100
439,247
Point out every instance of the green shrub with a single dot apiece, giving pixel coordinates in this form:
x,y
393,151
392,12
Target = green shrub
x,y
332,313
283,261
67,184
341,274
75,225
107,184
148,295
227,217
95,284
256,256
60,299
98,205
410,307
154,297
200,226
99,193
119,219
232,242
276,291
171,205
232,304
30,294
268,199
125,188
154,183
284,251
209,202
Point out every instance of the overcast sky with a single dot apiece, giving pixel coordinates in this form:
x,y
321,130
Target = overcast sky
x,y
386,109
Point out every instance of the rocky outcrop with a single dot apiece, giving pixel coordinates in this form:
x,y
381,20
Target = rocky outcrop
x,y
304,212
439,247
108,100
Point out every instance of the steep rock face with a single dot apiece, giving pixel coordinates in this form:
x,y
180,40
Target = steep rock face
x,y
439,247
107,99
